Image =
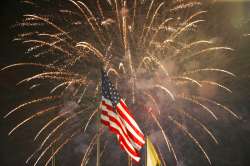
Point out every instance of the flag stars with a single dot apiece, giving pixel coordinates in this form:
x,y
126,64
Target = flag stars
x,y
109,90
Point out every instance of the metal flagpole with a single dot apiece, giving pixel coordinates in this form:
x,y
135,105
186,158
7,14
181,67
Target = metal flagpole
x,y
130,163
126,47
146,148
98,138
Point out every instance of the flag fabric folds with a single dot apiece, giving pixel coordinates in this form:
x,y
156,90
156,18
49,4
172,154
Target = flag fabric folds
x,y
116,115
152,157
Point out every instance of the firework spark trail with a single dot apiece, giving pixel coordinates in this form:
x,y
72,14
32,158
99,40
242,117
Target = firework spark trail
x,y
48,22
161,155
217,85
187,79
169,144
182,30
29,64
205,108
153,101
87,17
89,120
62,75
51,144
62,145
147,17
45,99
53,108
60,126
199,123
185,5
166,90
218,104
208,50
44,151
191,137
211,70
161,26
85,159
50,122
67,139
67,83
154,59
135,42
91,48
152,21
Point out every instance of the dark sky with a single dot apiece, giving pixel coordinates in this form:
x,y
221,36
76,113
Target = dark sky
x,y
231,20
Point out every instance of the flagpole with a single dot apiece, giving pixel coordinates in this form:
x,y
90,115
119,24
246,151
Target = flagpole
x,y
146,151
98,138
129,161
126,47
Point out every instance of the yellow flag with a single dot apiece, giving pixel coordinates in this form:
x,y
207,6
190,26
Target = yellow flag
x,y
152,157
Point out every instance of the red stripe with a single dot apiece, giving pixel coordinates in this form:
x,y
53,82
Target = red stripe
x,y
114,130
125,106
132,157
104,112
128,121
125,118
124,147
134,139
109,107
106,123
116,122
126,109
117,131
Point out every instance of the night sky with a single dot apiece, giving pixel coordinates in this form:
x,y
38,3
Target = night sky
x,y
230,21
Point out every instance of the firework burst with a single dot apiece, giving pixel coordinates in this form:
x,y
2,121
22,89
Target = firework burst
x,y
152,52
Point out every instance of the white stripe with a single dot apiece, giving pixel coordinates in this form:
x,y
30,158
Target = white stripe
x,y
129,117
134,144
113,124
136,158
129,127
107,101
113,114
124,138
126,124
105,118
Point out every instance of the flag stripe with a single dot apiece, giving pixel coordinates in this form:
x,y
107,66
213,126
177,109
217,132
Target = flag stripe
x,y
115,124
130,117
133,135
122,141
134,144
117,130
135,158
130,123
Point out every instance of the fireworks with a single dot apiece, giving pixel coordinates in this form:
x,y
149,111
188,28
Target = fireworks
x,y
155,45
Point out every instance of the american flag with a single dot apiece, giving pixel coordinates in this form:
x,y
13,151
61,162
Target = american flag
x,y
115,115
